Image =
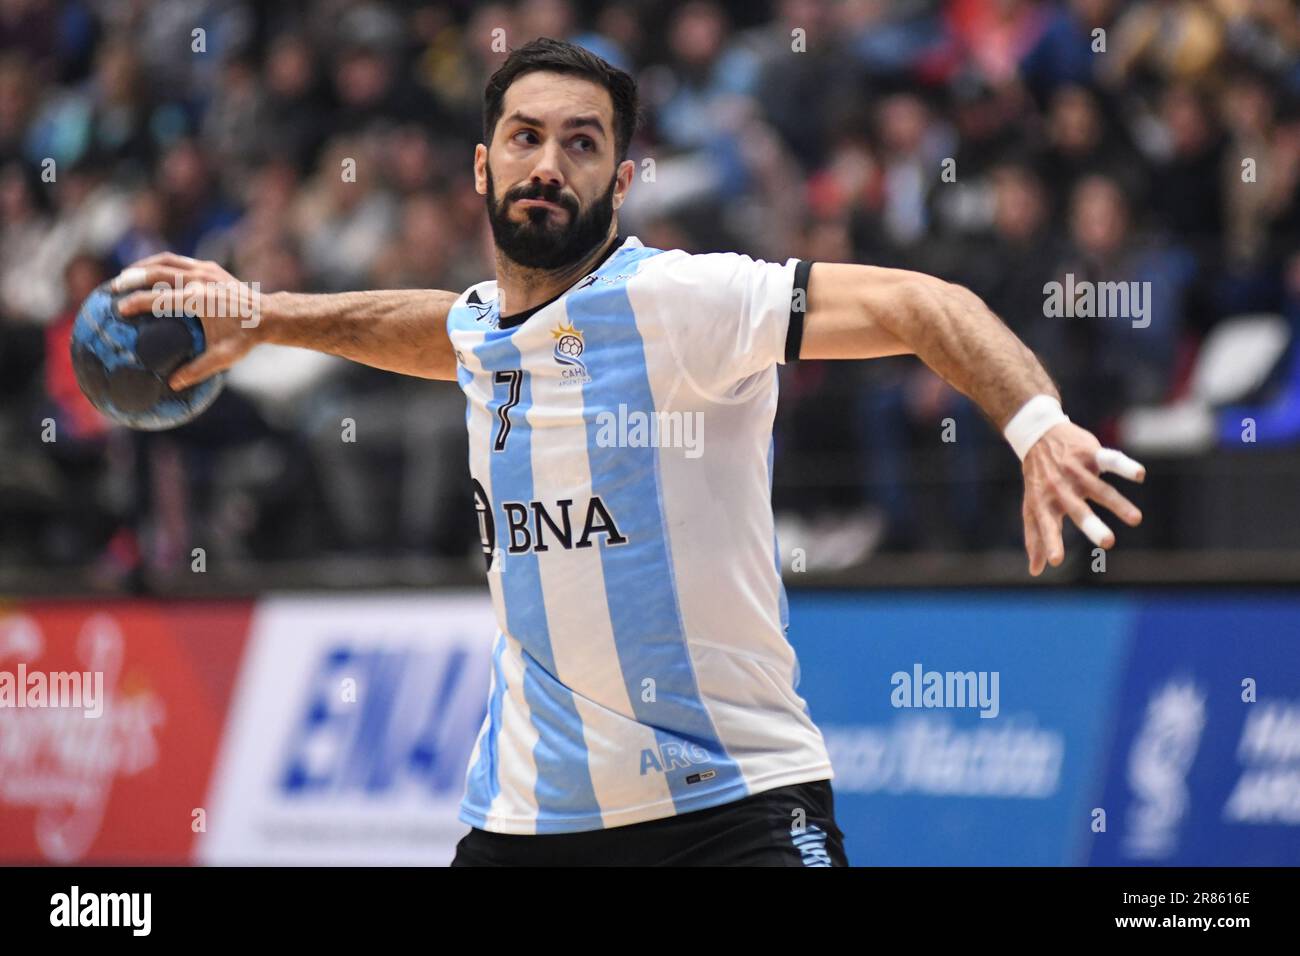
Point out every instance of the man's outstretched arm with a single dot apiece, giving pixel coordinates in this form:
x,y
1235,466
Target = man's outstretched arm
x,y
400,330
856,311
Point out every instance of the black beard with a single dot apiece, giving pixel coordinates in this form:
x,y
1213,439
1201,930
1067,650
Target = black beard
x,y
537,243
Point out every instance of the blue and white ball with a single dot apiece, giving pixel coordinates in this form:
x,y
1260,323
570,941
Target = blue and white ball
x,y
122,364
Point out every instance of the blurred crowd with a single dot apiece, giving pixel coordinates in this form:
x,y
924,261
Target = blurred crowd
x,y
998,143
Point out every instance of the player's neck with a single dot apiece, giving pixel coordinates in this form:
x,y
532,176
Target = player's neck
x,y
520,288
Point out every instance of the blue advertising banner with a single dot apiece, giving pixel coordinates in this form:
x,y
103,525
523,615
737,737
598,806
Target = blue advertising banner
x,y
934,779
1205,765
1058,729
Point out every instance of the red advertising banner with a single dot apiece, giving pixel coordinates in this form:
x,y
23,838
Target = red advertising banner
x,y
111,713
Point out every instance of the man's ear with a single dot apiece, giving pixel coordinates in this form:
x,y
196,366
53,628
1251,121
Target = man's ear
x,y
626,170
480,169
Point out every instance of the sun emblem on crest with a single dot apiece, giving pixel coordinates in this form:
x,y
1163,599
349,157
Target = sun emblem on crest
x,y
568,344
569,347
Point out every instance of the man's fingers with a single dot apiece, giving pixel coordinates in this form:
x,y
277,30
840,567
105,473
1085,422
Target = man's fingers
x,y
1113,460
1096,531
1087,521
1049,530
136,303
148,277
1033,546
1055,488
169,259
133,277
169,302
205,366
146,271
1105,495
172,300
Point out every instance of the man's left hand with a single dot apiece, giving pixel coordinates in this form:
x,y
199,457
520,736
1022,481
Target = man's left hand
x,y
1062,474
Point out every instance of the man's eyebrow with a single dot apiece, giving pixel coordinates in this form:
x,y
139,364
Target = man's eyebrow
x,y
573,122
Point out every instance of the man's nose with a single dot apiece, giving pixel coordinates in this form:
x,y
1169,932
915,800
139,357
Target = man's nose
x,y
547,169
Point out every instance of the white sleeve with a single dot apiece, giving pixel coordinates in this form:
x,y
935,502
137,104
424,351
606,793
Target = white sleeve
x,y
724,314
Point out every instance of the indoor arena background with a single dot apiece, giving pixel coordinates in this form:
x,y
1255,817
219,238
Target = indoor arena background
x,y
228,577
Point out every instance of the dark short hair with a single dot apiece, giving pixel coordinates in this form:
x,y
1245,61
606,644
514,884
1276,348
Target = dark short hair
x,y
559,56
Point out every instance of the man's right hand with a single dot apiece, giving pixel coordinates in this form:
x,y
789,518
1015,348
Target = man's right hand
x,y
230,310
401,330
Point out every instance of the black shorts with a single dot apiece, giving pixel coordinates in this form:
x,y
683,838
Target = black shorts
x,y
787,826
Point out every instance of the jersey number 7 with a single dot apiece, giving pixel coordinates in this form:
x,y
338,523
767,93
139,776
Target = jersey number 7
x,y
513,379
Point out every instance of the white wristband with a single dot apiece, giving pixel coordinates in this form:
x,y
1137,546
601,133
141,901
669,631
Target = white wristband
x,y
1033,420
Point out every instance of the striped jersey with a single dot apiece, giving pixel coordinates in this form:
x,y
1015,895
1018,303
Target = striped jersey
x,y
620,443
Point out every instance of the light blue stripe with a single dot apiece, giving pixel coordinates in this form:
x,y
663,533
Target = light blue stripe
x,y
563,789
640,584
484,777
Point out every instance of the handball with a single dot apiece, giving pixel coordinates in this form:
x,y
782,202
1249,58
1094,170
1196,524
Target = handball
x,y
122,363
